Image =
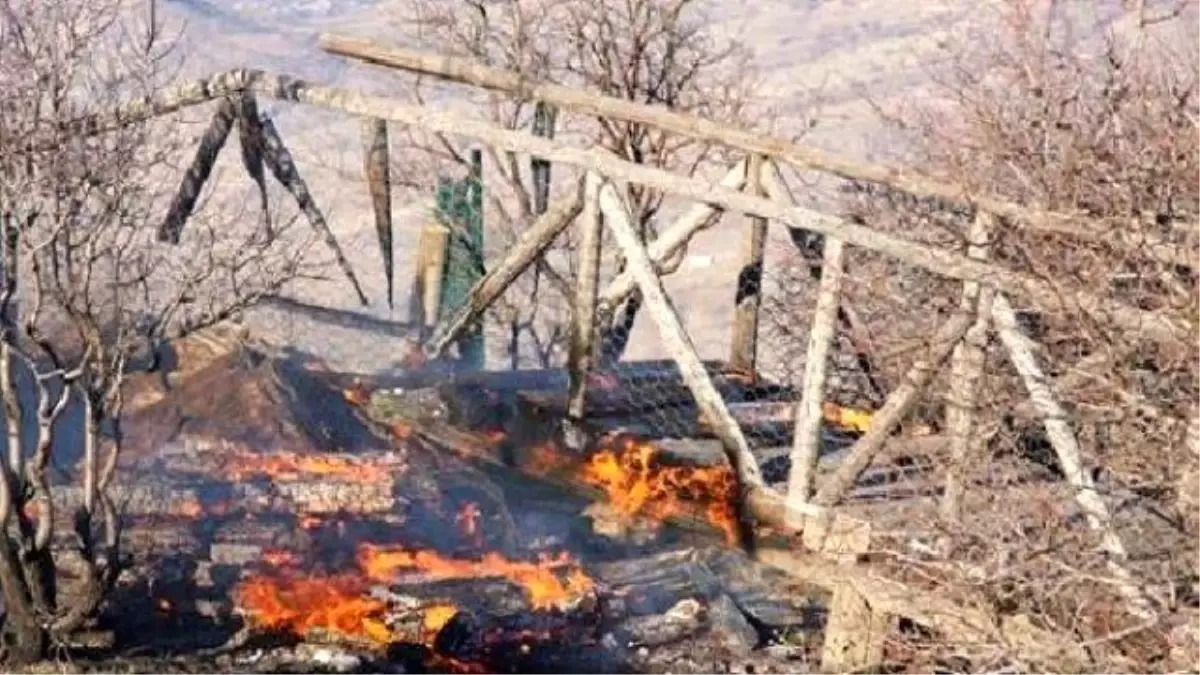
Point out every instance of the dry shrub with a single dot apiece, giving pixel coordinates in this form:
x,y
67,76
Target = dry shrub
x,y
1061,107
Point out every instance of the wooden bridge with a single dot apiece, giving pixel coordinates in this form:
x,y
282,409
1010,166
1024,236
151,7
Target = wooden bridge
x,y
824,543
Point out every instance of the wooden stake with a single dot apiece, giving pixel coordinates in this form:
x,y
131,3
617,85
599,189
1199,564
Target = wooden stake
x,y
893,411
198,172
377,169
680,347
478,74
806,441
743,349
531,244
966,371
583,320
280,162
1066,448
672,242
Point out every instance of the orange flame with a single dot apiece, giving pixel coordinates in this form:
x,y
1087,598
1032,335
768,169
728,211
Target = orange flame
x,y
278,558
290,466
300,605
638,484
540,581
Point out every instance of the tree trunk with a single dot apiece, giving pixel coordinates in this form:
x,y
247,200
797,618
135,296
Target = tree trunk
x,y
24,637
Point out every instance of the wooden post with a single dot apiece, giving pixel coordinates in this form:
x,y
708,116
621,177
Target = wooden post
x,y
893,411
427,276
966,371
671,242
532,243
280,162
806,441
854,633
481,75
583,320
680,347
1066,448
743,348
377,169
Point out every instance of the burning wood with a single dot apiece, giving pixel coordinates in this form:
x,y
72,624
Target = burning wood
x,y
291,467
639,483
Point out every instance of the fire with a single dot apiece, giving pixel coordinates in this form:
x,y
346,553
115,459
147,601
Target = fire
x,y
638,484
540,580
277,558
436,617
290,466
300,605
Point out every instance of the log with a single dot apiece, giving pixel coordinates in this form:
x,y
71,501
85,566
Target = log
x,y
671,243
377,169
743,348
532,243
966,371
897,405
279,161
582,354
1053,297
470,72
198,171
806,440
678,344
1070,460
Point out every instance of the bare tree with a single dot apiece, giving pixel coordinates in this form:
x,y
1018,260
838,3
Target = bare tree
x,y
648,51
88,288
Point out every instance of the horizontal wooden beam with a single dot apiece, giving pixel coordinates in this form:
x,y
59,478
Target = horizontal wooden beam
x,y
1117,235
1049,296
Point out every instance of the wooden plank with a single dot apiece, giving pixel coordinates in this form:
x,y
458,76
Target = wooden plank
x,y
743,348
582,354
470,72
893,411
531,244
966,371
